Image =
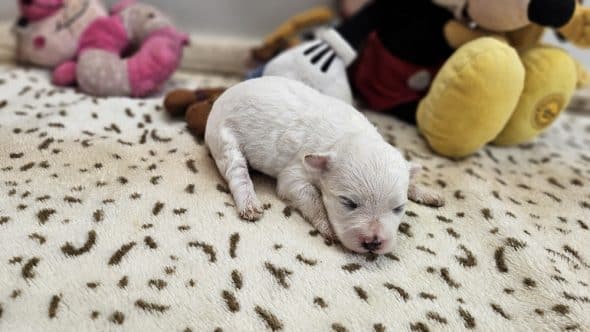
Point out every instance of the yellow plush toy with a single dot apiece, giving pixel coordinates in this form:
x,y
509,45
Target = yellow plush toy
x,y
504,87
468,72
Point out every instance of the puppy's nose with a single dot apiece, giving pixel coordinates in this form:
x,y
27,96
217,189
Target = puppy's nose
x,y
372,245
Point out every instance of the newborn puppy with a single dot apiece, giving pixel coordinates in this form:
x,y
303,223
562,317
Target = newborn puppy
x,y
329,161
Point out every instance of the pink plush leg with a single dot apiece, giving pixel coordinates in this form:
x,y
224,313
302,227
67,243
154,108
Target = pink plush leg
x,y
102,73
65,74
105,33
155,62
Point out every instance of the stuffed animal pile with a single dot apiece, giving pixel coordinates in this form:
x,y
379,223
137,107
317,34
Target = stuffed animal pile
x,y
131,51
474,70
289,33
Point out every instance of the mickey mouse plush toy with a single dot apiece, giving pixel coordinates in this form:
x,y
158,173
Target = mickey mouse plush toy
x,y
474,69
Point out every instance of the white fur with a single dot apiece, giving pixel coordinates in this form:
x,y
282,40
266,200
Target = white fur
x,y
320,149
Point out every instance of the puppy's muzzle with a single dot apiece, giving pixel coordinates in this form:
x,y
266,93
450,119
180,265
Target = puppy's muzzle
x,y
373,244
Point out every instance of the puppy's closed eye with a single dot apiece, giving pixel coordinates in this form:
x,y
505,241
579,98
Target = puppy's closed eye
x,y
398,210
348,203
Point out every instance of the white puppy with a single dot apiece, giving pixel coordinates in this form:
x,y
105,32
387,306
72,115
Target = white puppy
x,y
329,160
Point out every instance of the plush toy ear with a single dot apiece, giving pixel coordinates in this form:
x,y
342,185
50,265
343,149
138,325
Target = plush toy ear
x,y
414,169
319,162
551,13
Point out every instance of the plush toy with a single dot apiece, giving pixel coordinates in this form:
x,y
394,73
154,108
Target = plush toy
x,y
348,8
474,69
132,51
196,105
287,35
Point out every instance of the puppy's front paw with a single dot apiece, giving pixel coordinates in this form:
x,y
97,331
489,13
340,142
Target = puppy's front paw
x,y
325,230
429,199
252,211
425,197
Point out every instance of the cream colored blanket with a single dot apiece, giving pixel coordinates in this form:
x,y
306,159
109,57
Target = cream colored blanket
x,y
113,218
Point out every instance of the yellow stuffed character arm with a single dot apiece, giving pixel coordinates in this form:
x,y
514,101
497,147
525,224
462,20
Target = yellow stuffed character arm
x,y
458,34
583,75
577,30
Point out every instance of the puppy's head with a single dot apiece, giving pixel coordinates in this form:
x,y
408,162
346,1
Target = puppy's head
x,y
365,191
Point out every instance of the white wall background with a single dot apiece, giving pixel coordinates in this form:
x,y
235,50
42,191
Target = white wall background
x,y
580,54
240,18
243,18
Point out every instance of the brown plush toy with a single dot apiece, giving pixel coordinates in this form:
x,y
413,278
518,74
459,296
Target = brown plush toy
x,y
287,35
193,105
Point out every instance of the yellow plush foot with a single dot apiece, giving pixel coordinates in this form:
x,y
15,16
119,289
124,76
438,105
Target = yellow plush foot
x,y
551,77
472,97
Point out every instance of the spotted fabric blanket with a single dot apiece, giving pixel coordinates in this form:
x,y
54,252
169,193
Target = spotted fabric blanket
x,y
114,218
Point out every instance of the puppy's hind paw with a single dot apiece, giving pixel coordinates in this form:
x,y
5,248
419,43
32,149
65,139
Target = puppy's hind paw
x,y
252,212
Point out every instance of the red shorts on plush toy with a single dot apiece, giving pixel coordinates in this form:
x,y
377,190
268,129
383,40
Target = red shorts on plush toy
x,y
385,81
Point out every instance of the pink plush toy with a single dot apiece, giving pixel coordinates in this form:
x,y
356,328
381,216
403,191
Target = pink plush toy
x,y
131,52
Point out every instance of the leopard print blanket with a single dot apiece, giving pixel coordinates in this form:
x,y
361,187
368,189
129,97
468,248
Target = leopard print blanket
x,y
114,218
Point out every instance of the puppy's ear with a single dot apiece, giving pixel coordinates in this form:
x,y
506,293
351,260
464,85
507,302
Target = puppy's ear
x,y
414,169
319,162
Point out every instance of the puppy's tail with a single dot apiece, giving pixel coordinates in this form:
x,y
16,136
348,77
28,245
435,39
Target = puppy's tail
x,y
195,106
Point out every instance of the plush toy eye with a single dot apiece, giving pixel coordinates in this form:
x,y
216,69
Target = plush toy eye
x,y
399,209
22,22
348,203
